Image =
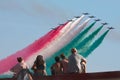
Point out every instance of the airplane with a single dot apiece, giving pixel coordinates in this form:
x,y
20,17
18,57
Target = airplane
x,y
91,16
86,13
110,28
97,19
77,16
56,27
53,28
82,13
70,20
104,23
61,24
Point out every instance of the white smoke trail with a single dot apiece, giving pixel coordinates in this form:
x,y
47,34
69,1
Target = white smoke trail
x,y
53,47
42,51
48,50
45,50
69,36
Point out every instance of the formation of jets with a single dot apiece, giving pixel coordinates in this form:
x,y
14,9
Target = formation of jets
x,y
89,17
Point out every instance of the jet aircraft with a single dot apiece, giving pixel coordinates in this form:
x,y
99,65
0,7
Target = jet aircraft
x,y
86,13
77,16
91,16
110,28
104,23
97,19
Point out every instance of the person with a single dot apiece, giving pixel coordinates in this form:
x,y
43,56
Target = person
x,y
39,66
57,67
74,62
83,66
64,63
20,70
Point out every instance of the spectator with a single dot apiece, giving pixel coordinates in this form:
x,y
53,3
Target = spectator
x,y
21,71
64,63
74,59
57,67
39,66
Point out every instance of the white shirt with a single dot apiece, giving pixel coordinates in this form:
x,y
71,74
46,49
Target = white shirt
x,y
74,63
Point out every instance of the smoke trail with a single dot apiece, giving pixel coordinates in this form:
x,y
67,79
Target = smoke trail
x,y
75,32
45,50
77,39
87,41
32,49
83,34
50,60
95,44
28,51
51,49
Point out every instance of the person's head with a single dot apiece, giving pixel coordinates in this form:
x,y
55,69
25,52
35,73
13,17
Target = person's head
x,y
57,59
73,50
39,57
62,56
19,59
39,60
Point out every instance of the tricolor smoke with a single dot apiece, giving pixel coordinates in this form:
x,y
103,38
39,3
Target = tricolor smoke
x,y
59,40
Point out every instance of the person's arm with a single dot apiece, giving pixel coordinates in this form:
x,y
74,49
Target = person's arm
x,y
85,60
34,67
82,58
61,66
52,70
45,65
83,67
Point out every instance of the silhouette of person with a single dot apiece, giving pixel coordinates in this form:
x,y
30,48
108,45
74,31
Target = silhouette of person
x,y
39,66
64,63
74,59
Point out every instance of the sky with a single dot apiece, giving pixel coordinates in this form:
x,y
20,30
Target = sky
x,y
24,21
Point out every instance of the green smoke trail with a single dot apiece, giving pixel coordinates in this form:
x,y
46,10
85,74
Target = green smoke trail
x,y
83,34
95,44
78,38
66,49
87,41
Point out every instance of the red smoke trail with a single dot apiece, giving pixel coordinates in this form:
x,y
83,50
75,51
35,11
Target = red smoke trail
x,y
10,61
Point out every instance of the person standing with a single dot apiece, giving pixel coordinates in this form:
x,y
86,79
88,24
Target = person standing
x,y
74,59
64,62
21,71
57,67
39,66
